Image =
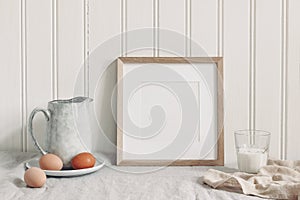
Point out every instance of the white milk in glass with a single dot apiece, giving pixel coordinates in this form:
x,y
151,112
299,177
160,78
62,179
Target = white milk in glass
x,y
251,159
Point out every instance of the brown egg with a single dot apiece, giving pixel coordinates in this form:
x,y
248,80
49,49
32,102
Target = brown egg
x,y
50,162
83,160
35,177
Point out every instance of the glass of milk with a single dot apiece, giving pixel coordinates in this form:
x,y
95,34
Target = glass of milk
x,y
252,148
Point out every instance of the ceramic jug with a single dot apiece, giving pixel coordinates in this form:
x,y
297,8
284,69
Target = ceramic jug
x,y
64,119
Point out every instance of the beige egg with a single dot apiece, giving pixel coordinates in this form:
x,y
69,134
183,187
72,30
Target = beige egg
x,y
35,177
50,162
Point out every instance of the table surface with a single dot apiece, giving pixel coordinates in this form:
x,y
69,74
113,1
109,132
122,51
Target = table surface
x,y
111,182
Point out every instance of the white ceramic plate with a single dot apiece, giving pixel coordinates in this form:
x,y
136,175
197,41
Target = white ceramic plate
x,y
66,173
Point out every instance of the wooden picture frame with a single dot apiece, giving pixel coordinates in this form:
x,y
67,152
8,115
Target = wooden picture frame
x,y
218,62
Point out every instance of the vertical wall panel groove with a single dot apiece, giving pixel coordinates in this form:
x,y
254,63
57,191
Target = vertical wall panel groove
x,y
105,26
139,16
11,75
124,27
236,73
23,75
54,72
220,43
283,79
86,50
205,27
252,63
39,64
172,17
155,28
268,71
70,48
188,27
293,79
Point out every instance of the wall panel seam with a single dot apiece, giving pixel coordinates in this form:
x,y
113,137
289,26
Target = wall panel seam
x,y
124,27
54,64
283,82
188,27
86,50
24,144
155,28
220,32
252,63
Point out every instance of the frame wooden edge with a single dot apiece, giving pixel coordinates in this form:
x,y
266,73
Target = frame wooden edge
x,y
119,113
220,113
170,59
171,163
220,109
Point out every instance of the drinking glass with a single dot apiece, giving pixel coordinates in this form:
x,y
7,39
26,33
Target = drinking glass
x,y
252,148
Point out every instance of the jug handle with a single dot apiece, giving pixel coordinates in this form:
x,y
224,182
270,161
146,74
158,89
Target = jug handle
x,y
47,115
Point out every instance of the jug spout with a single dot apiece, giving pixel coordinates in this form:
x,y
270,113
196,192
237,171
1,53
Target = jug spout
x,y
73,100
81,100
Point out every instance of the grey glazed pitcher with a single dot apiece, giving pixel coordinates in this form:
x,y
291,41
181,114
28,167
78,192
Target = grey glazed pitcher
x,y
64,118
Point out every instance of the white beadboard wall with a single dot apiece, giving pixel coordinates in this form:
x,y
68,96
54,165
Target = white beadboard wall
x,y
44,44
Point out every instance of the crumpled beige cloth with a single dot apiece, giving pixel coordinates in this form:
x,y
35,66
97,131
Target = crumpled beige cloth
x,y
278,180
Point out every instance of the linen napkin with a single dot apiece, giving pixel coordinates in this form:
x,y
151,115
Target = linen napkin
x,y
278,180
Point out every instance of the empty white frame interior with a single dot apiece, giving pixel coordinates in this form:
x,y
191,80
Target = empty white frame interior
x,y
154,99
